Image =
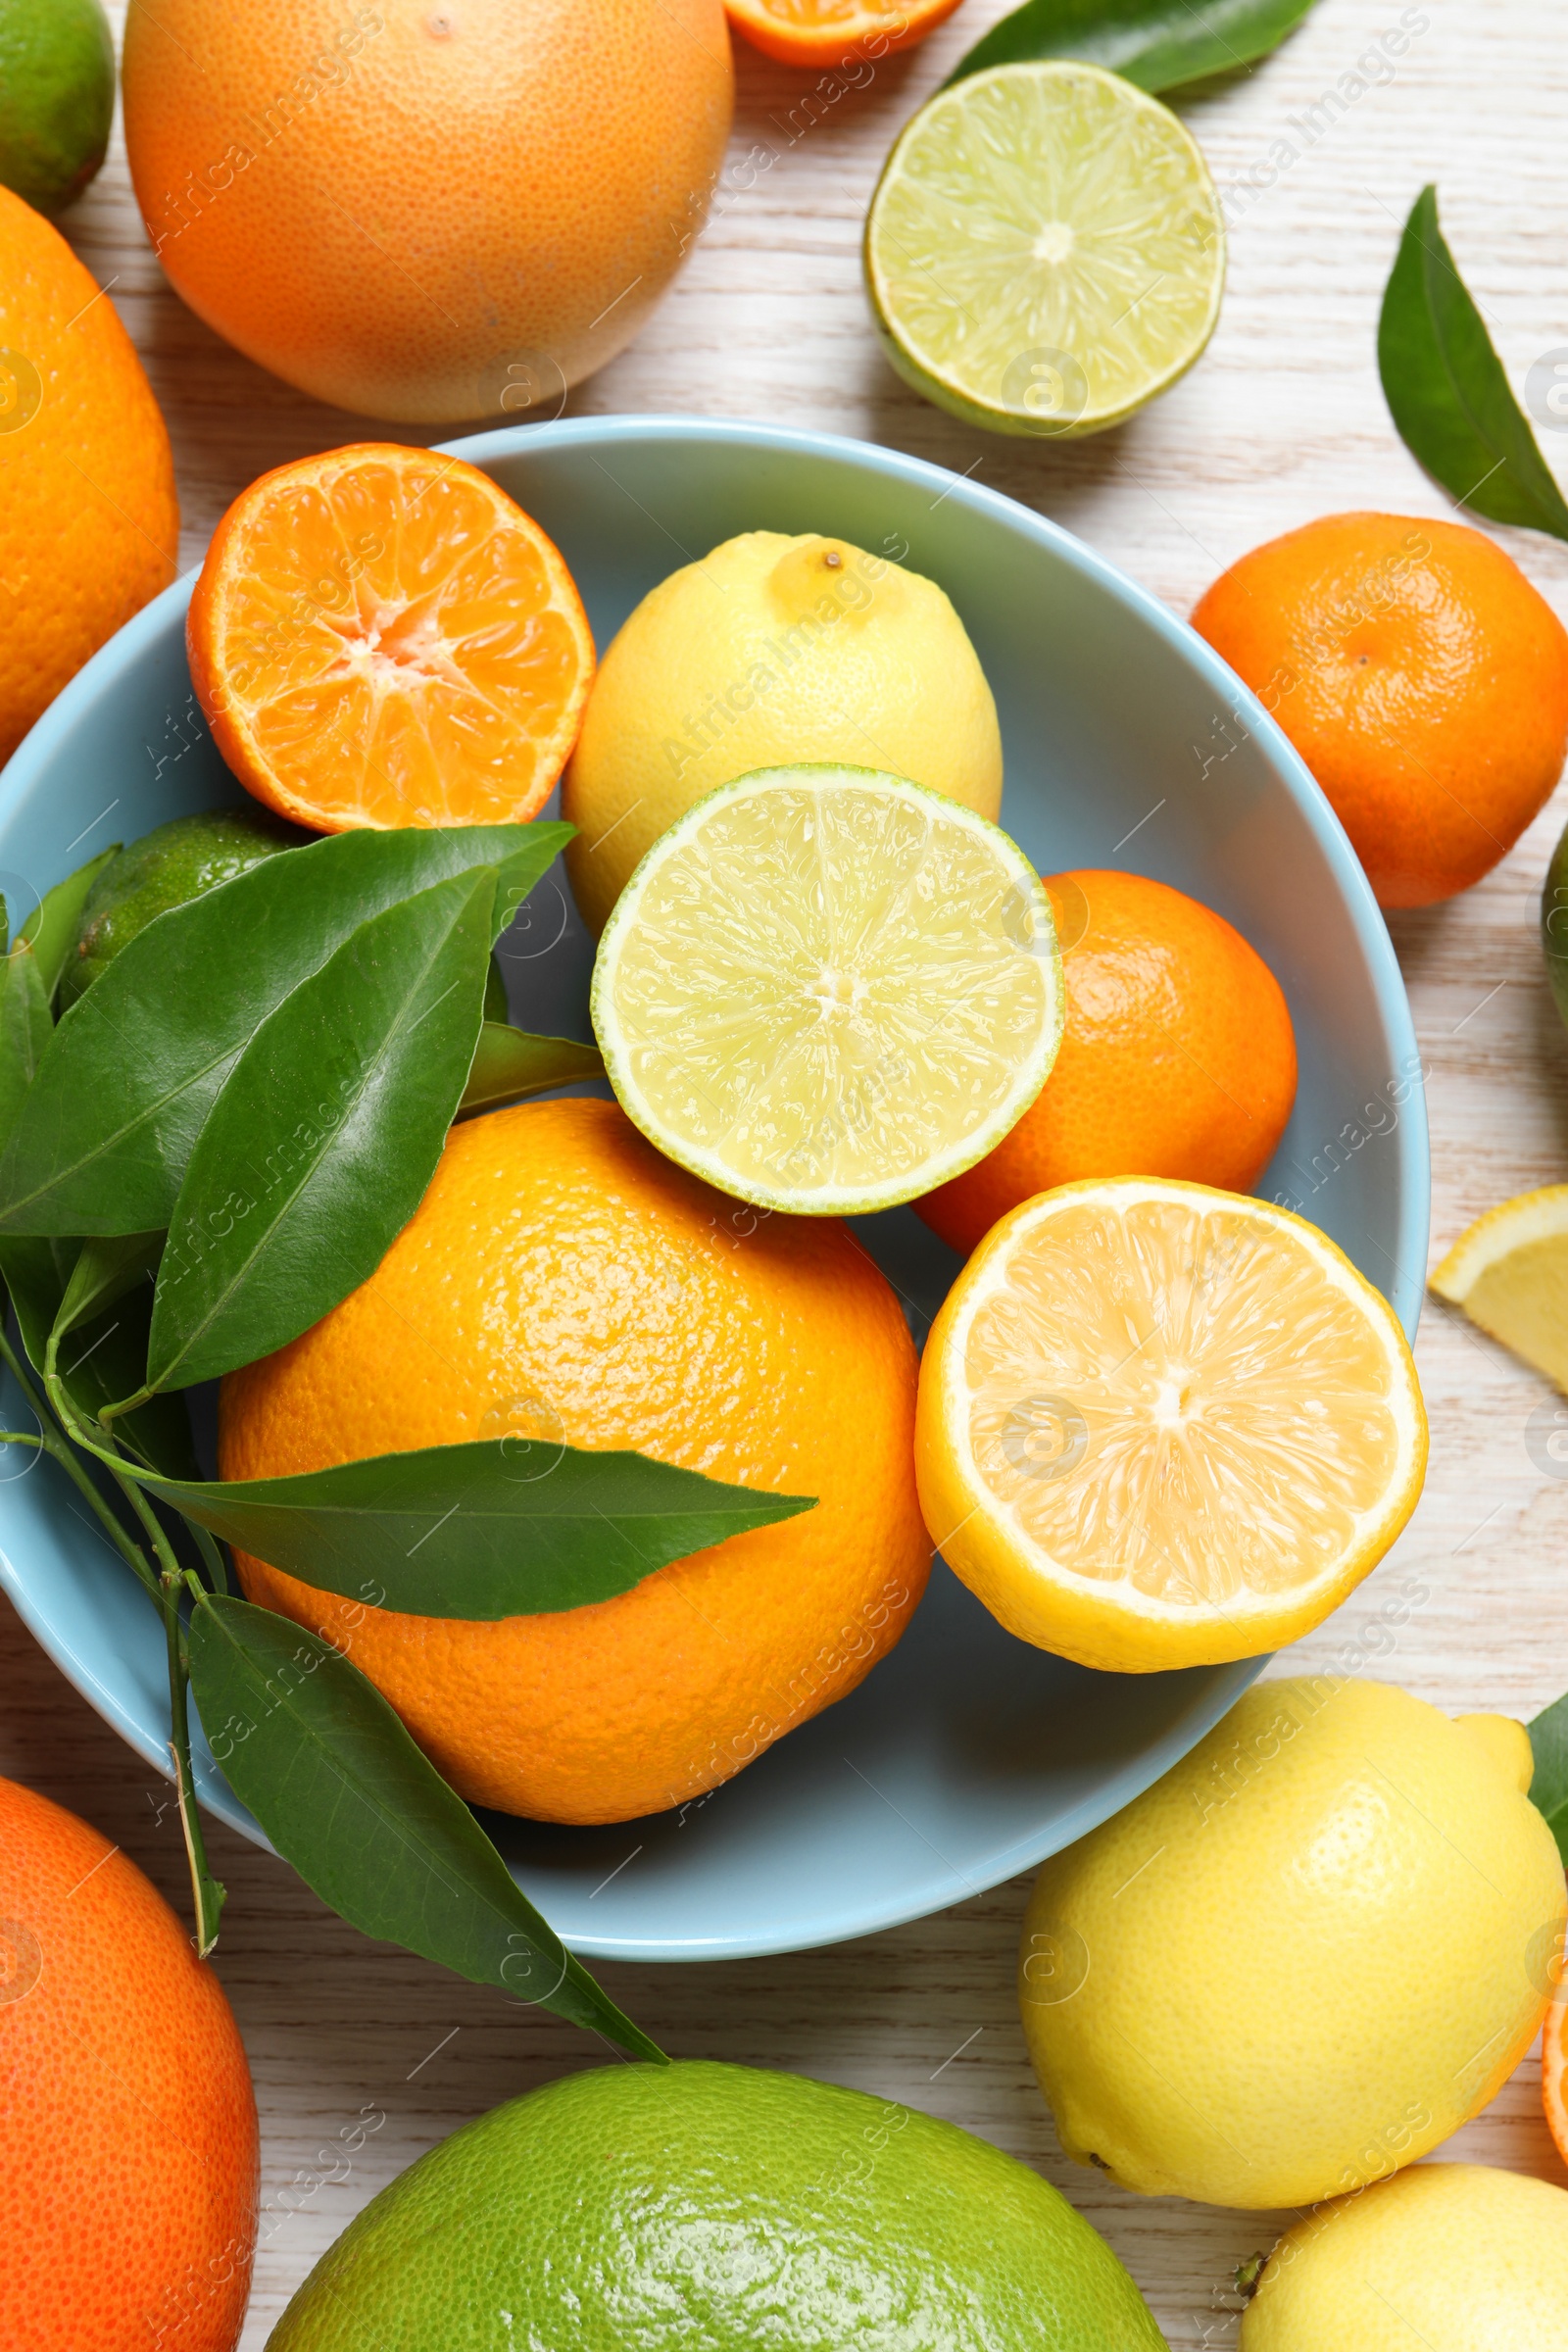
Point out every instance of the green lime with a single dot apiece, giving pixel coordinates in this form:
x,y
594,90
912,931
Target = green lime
x,y
166,867
703,2207
57,97
1045,251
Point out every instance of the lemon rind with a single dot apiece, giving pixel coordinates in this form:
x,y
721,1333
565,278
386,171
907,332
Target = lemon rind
x,y
1513,1225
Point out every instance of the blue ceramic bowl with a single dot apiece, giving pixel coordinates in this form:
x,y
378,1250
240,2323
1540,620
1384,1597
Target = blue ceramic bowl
x,y
965,1756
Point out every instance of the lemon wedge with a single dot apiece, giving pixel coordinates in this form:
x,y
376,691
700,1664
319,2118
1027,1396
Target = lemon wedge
x,y
1045,251
1509,1272
1163,1426
826,990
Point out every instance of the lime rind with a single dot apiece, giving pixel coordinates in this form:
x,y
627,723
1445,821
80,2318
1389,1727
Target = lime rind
x,y
826,990
1044,252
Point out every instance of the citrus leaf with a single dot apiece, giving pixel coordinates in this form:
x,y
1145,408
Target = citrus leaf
x,y
1158,45
1548,1788
35,1274
101,1360
365,1819
51,928
25,1028
105,1270
502,1527
324,1137
510,1064
136,1064
1446,389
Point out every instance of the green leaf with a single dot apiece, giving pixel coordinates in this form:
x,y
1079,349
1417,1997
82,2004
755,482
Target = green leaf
x,y
101,1361
496,1008
133,1068
35,1274
1158,45
1548,1788
327,1131
1446,390
26,1029
347,1797
51,928
510,1064
506,1527
105,1270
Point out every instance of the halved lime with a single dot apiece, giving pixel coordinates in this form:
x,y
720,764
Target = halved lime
x,y
827,990
1045,251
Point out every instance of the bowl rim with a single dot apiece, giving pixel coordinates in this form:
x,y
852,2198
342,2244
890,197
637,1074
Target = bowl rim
x,y
127,647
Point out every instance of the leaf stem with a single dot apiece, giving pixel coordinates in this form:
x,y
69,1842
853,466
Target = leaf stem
x,y
206,1893
60,1449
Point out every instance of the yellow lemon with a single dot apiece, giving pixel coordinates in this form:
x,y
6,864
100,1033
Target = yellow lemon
x,y
769,652
1510,1273
1161,1425
1303,1958
1452,2257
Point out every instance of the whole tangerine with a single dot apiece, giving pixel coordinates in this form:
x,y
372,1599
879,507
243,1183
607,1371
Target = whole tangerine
x,y
89,523
563,1280
423,210
1177,1058
1421,677
127,2122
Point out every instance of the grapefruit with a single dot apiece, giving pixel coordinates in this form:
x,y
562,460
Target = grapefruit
x,y
427,208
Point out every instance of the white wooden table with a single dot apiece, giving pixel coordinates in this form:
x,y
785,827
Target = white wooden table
x,y
1282,420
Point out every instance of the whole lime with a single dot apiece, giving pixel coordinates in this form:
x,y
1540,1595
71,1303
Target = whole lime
x,y
1303,1958
663,2209
57,97
178,862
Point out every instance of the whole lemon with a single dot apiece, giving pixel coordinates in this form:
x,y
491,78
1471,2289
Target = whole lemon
x,y
1452,2257
1304,1957
768,653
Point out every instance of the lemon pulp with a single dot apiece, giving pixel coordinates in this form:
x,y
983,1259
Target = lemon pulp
x,y
1161,1424
1510,1273
1045,251
826,990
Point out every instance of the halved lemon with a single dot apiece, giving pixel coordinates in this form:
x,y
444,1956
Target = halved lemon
x,y
1165,1426
826,990
380,636
1509,1272
1045,251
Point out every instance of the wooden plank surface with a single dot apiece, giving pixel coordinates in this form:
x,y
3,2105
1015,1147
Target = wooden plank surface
x,y
1282,420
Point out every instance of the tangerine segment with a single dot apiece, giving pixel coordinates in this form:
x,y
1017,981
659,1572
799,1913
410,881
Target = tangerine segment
x,y
380,636
828,32
1161,1425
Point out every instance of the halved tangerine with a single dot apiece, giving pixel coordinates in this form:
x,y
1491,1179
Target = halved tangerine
x,y
828,33
1555,2064
380,636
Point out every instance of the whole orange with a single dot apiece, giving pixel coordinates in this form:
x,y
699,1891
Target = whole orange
x,y
560,1278
89,523
1421,677
1178,1057
128,2123
421,210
